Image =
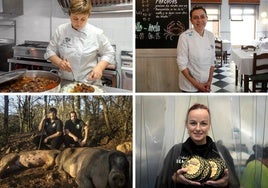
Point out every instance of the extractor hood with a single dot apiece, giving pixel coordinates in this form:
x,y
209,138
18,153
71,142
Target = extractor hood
x,y
102,6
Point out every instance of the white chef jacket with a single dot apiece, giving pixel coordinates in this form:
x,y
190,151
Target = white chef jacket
x,y
197,53
81,48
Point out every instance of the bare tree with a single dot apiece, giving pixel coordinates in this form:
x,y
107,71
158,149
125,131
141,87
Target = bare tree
x,y
106,113
26,113
87,115
20,113
6,132
77,105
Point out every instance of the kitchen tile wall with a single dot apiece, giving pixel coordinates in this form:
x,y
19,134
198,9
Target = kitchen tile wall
x,y
37,23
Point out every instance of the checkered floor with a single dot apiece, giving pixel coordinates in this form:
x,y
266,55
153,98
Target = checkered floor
x,y
224,79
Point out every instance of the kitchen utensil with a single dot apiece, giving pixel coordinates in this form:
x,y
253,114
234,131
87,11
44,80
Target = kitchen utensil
x,y
44,74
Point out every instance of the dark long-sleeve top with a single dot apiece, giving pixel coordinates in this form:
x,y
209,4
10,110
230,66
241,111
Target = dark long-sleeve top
x,y
179,152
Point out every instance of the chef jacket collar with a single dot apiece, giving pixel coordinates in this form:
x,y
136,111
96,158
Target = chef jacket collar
x,y
84,30
196,33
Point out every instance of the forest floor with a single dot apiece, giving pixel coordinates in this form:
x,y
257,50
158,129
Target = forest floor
x,y
35,177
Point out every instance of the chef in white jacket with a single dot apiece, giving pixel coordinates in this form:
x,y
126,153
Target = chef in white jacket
x,y
196,54
80,50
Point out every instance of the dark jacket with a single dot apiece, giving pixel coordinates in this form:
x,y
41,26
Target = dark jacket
x,y
180,152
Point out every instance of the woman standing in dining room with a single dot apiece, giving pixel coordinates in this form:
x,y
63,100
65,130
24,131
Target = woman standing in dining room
x,y
196,54
80,50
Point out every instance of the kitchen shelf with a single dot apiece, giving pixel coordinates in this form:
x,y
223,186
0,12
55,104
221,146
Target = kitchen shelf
x,y
9,23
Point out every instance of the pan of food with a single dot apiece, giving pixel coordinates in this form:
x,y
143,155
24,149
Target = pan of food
x,y
81,87
33,81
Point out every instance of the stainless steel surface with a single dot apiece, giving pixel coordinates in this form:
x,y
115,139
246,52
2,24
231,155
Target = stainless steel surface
x,y
6,41
8,76
127,79
11,8
29,62
9,23
41,74
127,69
47,74
102,6
126,59
31,50
5,52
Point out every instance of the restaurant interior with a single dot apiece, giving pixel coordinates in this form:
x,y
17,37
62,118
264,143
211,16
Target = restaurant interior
x,y
235,24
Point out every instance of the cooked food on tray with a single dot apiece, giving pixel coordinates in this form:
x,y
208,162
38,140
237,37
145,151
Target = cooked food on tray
x,y
29,84
82,88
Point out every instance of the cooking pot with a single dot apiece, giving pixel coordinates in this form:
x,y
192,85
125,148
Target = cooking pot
x,y
46,74
40,74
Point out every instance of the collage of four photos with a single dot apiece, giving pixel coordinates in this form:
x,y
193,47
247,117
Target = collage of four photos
x,y
143,93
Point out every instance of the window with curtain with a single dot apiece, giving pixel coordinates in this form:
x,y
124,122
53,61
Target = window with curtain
x,y
238,122
243,23
213,12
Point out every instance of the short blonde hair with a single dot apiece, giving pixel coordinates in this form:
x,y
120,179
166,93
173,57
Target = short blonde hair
x,y
80,7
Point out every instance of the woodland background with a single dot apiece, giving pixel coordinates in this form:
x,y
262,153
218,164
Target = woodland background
x,y
109,117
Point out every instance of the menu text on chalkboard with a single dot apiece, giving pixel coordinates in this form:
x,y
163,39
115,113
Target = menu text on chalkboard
x,y
159,23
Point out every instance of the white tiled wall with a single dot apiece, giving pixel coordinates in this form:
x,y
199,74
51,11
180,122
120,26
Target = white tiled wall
x,y
41,18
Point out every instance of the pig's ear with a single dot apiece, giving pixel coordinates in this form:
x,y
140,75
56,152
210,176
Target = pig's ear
x,y
101,170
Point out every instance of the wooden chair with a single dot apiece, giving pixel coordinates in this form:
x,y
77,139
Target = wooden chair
x,y
248,47
260,72
220,54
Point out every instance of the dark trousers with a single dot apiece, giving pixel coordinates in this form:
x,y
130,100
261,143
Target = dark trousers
x,y
53,143
69,140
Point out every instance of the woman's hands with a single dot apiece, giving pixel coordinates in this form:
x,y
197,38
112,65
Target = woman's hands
x,y
65,65
203,87
179,178
223,182
96,72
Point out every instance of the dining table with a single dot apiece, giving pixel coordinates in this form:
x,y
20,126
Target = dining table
x,y
226,46
243,60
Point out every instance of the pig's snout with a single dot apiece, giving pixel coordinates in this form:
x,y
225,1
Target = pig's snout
x,y
117,179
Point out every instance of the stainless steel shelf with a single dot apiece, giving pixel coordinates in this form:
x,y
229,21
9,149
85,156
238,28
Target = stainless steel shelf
x,y
29,62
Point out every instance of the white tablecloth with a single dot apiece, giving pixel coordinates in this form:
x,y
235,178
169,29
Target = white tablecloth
x,y
243,60
226,46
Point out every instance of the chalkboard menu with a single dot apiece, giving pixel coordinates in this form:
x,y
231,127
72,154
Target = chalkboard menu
x,y
160,22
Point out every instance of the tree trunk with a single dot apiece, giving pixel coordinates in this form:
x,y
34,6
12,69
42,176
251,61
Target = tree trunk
x,y
26,113
20,112
77,106
87,115
6,132
106,114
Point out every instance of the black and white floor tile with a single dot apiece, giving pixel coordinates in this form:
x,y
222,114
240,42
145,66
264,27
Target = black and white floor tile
x,y
224,79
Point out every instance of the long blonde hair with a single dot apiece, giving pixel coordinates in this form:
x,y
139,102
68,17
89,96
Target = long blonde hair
x,y
80,7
